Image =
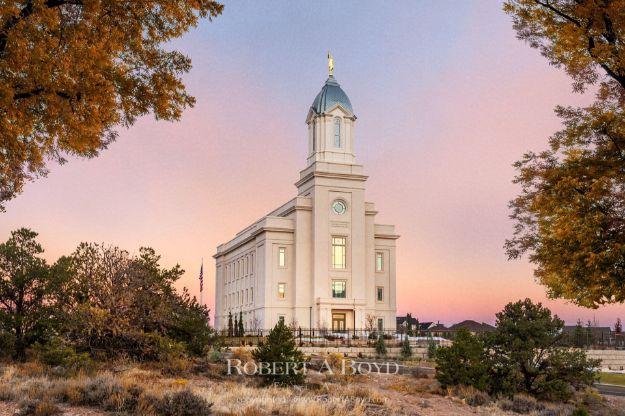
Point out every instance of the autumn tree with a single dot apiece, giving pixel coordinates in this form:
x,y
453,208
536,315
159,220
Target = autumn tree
x,y
116,303
570,215
71,71
27,291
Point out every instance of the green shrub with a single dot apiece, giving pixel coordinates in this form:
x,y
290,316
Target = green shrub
x,y
183,403
406,349
380,347
215,356
521,403
526,357
57,353
463,363
580,410
280,351
7,342
521,356
432,350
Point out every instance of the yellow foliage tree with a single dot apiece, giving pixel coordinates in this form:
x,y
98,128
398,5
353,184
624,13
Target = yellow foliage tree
x,y
570,215
73,70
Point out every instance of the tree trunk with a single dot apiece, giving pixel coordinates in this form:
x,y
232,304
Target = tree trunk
x,y
19,353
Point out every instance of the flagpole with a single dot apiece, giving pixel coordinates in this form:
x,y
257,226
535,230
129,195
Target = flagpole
x,y
202,283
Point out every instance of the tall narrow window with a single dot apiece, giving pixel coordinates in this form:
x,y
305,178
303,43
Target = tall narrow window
x,y
282,257
281,290
380,324
379,262
339,251
251,295
337,132
339,289
380,294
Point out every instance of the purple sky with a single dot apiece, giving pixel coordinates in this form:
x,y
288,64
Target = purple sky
x,y
446,97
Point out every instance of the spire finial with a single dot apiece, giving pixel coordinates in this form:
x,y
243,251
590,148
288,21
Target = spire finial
x,y
330,64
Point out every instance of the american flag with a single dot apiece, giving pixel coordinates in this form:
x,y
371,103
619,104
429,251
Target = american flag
x,y
202,277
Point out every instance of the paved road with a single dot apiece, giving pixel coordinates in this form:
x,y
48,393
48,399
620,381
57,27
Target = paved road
x,y
610,390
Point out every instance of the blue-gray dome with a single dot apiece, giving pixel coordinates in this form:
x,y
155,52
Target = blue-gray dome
x,y
331,94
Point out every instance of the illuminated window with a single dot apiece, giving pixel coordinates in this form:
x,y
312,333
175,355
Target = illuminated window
x,y
339,289
282,257
339,250
337,132
380,294
281,290
379,262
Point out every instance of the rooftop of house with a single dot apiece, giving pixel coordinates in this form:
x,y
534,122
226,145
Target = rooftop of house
x,y
471,325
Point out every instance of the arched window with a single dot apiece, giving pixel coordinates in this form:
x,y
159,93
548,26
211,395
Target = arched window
x,y
337,132
314,135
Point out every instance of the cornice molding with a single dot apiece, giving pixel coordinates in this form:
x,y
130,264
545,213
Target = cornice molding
x,y
330,175
251,237
387,236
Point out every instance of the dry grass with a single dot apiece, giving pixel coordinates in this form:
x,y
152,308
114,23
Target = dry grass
x,y
418,386
142,390
473,396
242,354
231,398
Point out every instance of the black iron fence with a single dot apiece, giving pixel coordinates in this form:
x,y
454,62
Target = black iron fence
x,y
594,340
329,338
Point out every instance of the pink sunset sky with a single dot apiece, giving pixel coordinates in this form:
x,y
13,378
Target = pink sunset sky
x,y
446,97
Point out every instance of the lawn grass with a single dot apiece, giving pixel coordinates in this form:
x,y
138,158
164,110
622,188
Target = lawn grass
x,y
613,378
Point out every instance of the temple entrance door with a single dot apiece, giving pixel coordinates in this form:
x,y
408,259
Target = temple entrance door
x,y
338,322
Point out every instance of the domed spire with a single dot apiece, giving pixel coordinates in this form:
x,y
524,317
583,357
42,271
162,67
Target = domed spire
x,y
331,94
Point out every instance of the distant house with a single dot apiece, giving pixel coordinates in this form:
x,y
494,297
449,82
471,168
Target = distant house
x,y
430,329
437,330
422,327
402,322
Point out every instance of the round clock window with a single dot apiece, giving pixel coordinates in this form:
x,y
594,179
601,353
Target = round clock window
x,y
339,207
